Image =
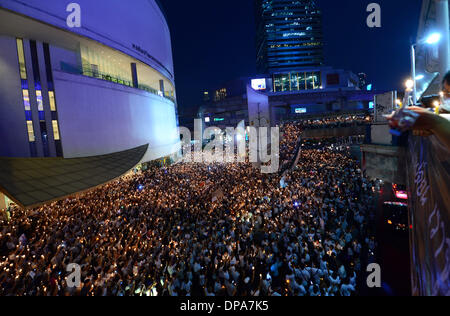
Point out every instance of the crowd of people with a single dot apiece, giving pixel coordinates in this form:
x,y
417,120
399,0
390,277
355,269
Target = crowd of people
x,y
162,233
335,122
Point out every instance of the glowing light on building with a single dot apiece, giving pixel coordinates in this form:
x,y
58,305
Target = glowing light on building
x,y
259,84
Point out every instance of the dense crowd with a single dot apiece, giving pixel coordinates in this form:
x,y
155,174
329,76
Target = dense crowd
x,y
335,122
163,232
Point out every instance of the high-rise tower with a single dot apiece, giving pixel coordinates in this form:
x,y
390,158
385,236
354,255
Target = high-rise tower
x,y
289,35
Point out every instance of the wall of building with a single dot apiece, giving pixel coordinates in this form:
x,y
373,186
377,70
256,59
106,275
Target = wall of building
x,y
137,28
99,117
310,108
380,134
386,163
14,137
289,34
346,79
94,116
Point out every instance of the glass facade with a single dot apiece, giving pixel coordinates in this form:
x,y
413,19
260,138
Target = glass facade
x,y
26,97
21,56
110,65
51,97
52,101
39,99
37,126
30,129
296,81
289,35
55,130
97,62
26,100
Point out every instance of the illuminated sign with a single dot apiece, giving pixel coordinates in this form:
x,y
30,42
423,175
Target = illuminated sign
x,y
219,119
259,84
402,195
300,110
207,120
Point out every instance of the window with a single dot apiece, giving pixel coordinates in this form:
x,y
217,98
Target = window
x,y
294,81
282,82
30,128
301,81
21,55
221,94
51,97
310,81
39,100
95,71
26,100
55,130
26,97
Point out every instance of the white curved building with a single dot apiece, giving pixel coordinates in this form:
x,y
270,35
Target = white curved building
x,y
104,87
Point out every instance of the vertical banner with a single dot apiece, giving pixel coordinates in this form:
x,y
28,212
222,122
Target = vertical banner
x,y
428,170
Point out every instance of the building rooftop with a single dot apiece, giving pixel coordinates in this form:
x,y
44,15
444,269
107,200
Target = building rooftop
x,y
30,182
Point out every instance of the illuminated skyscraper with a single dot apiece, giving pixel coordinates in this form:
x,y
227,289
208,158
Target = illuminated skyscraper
x,y
289,35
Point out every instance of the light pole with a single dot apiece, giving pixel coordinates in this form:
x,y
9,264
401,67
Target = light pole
x,y
431,40
413,72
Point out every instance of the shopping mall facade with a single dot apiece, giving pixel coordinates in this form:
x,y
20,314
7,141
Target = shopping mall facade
x,y
101,87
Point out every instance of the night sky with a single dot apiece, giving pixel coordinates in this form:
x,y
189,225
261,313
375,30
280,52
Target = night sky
x,y
214,42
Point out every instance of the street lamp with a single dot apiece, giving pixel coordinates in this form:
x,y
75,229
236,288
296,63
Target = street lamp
x,y
432,39
409,84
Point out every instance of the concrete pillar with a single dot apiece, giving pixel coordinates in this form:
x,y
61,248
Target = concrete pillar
x,y
134,75
161,86
442,19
